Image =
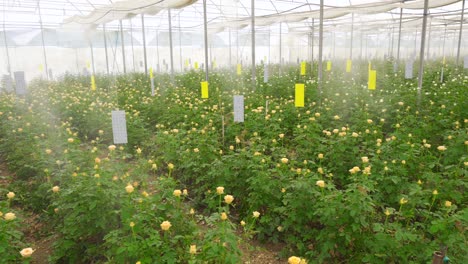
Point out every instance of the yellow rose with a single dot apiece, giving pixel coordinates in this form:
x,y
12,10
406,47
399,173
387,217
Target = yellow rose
x,y
448,203
294,260
223,216
403,201
10,216
435,192
193,249
284,160
320,156
129,188
170,166
26,252
112,147
165,225
320,184
177,193
219,190
441,148
242,223
55,189
10,195
228,199
256,214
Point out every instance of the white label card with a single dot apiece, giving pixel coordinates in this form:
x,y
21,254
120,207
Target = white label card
x,y
119,127
238,108
20,83
409,70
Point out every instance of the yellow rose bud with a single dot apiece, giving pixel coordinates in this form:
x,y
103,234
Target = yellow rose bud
x,y
177,193
223,216
165,225
228,199
219,190
10,195
129,188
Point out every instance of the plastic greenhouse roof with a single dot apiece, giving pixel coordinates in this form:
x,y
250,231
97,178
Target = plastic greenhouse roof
x,y
370,16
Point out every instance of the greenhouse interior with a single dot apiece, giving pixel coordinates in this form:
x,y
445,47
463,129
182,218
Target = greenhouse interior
x,y
233,131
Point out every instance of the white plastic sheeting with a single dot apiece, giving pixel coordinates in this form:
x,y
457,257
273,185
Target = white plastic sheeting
x,y
123,10
329,13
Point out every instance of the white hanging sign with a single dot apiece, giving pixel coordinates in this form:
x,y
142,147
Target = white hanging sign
x,y
119,127
238,108
20,83
409,70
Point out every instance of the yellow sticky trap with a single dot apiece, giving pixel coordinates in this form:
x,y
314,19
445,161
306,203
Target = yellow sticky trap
x,y
204,90
329,65
196,66
303,68
239,69
41,67
93,83
88,64
186,63
299,96
349,65
372,79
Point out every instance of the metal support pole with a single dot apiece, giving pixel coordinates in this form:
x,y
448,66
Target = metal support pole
x,y
170,43
399,36
428,54
131,42
157,51
180,46
230,49
320,66
205,28
312,48
105,47
393,40
351,42
6,48
443,43
460,32
421,52
144,43
360,48
253,45
43,43
123,47
280,47
92,57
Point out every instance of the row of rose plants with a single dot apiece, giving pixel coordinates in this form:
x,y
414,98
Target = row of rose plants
x,y
356,175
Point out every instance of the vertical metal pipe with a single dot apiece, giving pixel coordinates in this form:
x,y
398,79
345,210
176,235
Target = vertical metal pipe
x,y
123,47
43,43
428,54
253,45
351,42
171,48
399,36
131,43
393,40
180,46
313,35
157,51
92,57
421,52
105,47
144,43
360,48
320,66
280,47
205,28
460,32
230,49
443,43
6,48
